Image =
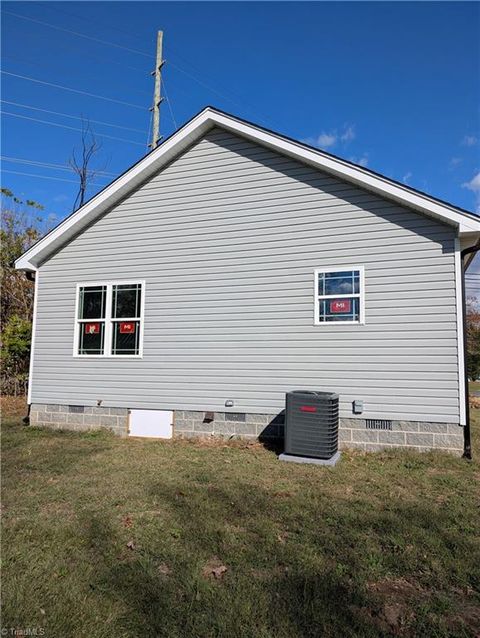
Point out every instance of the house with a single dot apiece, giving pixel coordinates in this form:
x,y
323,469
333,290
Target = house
x,y
231,265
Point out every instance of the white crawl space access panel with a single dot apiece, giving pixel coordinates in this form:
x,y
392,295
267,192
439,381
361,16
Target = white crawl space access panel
x,y
155,424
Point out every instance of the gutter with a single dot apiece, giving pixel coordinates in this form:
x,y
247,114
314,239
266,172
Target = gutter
x,y
467,439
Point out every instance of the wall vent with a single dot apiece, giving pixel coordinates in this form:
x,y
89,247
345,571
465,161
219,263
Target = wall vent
x,y
240,417
76,408
378,424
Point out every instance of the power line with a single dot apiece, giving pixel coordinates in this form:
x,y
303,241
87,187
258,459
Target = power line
x,y
261,117
85,55
150,123
71,128
74,117
204,84
57,167
187,73
57,179
79,35
48,5
67,88
169,105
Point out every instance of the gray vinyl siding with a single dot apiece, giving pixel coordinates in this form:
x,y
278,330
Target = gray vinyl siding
x,y
227,238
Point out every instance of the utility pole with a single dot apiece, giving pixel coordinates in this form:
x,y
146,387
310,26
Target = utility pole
x,y
157,98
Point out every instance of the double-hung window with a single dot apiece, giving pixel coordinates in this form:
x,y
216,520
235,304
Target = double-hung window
x,y
109,319
339,295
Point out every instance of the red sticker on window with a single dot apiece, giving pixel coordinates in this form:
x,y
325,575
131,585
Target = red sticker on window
x,y
341,305
127,328
92,328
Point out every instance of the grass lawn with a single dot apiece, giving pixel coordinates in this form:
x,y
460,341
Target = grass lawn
x,y
474,386
105,537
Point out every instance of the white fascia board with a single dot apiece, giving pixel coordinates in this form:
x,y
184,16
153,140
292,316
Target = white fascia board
x,y
194,130
352,173
113,193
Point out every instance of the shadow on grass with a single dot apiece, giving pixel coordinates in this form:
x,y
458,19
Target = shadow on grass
x,y
58,450
311,582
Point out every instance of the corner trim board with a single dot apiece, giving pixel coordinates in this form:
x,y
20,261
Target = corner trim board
x,y
460,336
32,344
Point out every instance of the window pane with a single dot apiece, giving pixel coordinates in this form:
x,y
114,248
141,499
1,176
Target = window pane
x,y
92,302
321,283
340,283
126,299
126,337
341,309
91,337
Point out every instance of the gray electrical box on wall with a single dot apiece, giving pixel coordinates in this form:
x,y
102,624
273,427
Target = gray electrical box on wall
x,y
357,407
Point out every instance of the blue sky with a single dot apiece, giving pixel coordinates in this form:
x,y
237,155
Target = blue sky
x,y
394,86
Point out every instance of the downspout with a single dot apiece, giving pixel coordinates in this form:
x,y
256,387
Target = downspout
x,y
467,439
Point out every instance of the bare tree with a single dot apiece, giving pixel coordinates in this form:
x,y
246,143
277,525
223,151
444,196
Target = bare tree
x,y
82,165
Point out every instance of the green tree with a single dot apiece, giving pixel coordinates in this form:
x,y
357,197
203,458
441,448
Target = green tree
x,y
22,224
15,349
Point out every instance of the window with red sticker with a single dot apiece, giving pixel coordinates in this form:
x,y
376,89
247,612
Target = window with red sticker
x,y
339,295
109,319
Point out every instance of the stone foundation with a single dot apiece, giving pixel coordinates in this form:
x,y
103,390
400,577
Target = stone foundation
x,y
353,433
79,417
418,435
189,423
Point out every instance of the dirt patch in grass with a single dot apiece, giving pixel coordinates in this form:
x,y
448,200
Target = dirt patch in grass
x,y
214,569
474,402
396,599
401,605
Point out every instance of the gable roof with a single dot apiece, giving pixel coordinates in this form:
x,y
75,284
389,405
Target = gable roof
x,y
466,223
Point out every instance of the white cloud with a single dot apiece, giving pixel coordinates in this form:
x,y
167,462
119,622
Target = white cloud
x,y
455,161
474,185
361,161
469,140
328,139
348,134
325,140
407,177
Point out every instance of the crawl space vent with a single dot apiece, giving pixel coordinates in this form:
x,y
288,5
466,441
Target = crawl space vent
x,y
378,424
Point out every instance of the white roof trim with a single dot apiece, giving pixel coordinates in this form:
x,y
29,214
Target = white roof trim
x,y
467,224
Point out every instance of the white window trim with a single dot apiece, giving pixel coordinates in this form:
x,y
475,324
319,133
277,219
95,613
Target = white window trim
x,y
317,297
109,320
